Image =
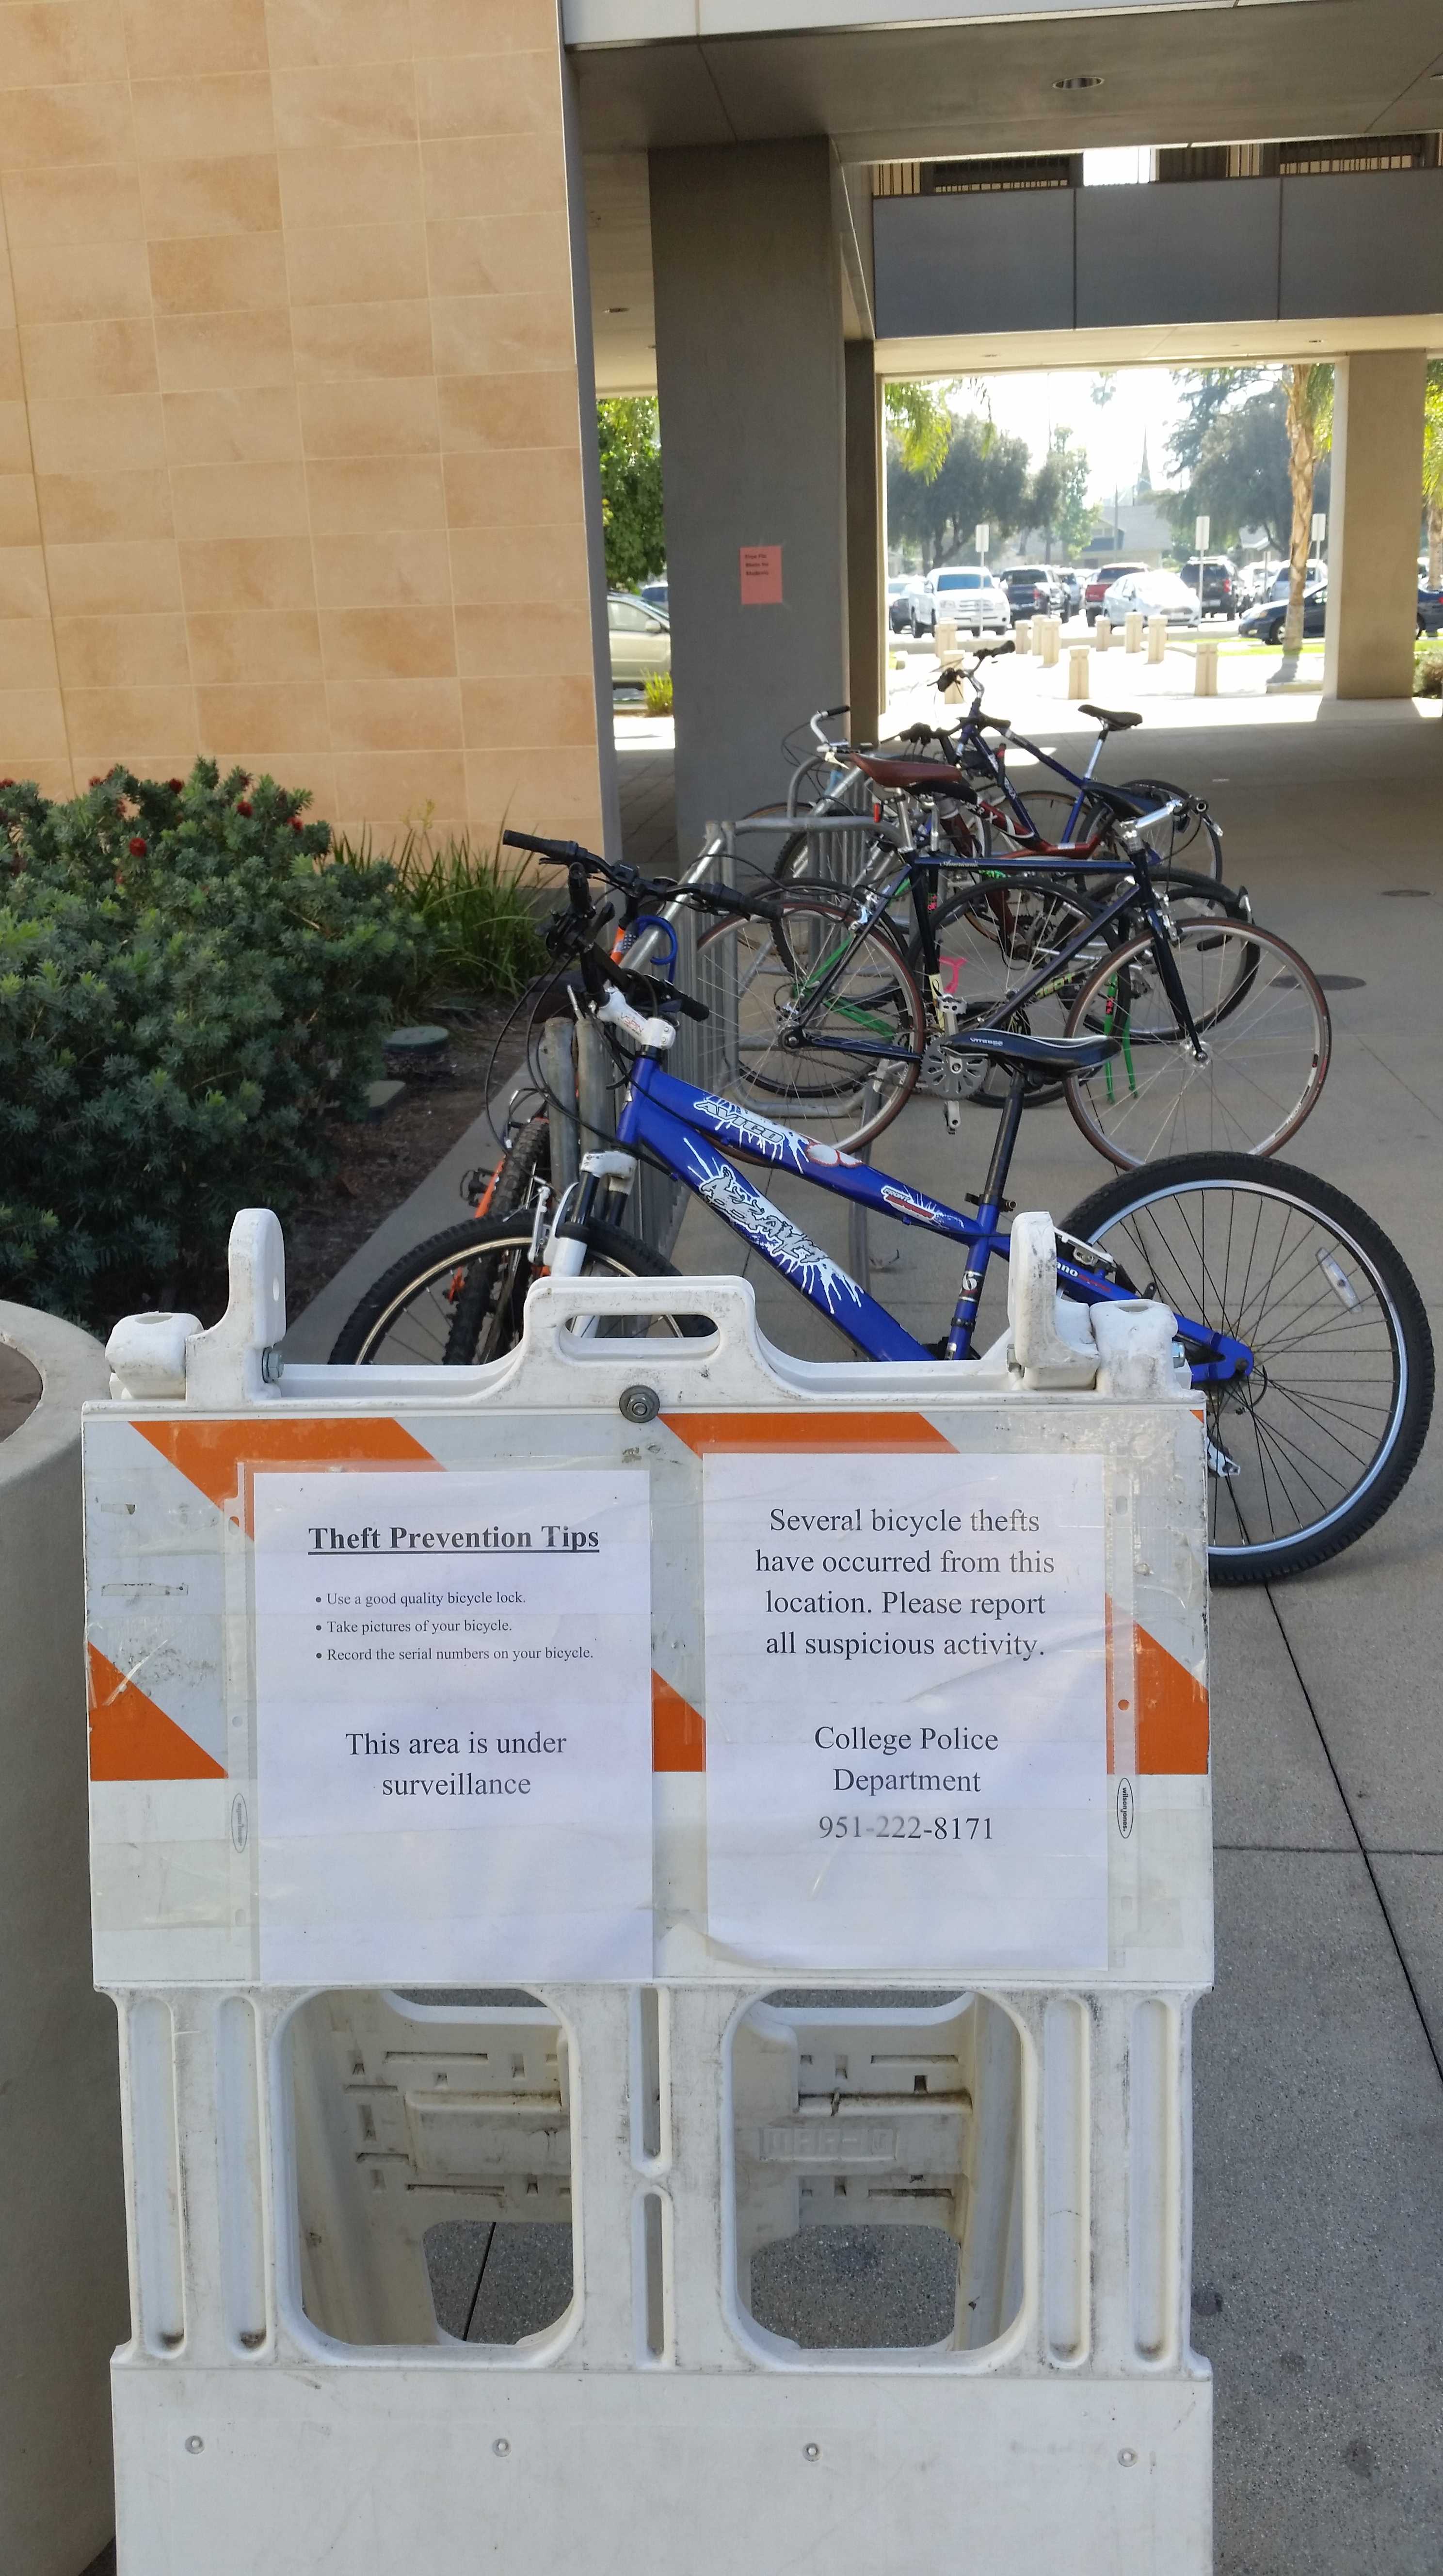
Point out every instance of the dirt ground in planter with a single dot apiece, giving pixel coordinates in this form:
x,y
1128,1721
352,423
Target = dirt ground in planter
x,y
381,1165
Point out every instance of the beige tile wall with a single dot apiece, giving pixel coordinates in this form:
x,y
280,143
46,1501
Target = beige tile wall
x,y
290,441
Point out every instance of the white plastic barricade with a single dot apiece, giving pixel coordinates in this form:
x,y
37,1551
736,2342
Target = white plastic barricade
x,y
655,1893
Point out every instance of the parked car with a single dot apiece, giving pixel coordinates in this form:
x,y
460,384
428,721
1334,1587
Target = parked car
x,y
1098,584
657,594
1255,582
1154,594
1283,577
902,590
1265,623
1033,590
1220,584
640,640
969,597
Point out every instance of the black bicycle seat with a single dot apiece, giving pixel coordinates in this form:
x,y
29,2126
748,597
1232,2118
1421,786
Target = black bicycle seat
x,y
1015,1047
1116,719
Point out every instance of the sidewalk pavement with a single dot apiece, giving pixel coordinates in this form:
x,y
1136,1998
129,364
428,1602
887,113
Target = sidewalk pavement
x,y
1318,2242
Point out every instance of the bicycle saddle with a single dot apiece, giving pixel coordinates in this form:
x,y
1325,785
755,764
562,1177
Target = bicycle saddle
x,y
1014,1047
1116,719
914,776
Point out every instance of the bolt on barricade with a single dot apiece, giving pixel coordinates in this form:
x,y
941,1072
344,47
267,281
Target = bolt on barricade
x,y
655,1893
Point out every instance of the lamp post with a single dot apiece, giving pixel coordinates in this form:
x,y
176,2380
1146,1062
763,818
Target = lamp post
x,y
1204,531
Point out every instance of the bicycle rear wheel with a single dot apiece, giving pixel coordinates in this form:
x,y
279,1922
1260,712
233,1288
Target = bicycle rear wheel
x,y
990,940
1267,1036
1310,1451
803,999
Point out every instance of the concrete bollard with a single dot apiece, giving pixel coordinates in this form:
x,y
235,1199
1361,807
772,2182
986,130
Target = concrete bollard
x,y
1156,638
1079,671
1205,681
1049,640
945,638
1102,634
1022,634
1132,632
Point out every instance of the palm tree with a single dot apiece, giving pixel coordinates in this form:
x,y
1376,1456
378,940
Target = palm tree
x,y
1310,435
1433,471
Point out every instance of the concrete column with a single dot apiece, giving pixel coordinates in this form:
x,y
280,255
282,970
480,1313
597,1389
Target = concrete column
x,y
866,555
749,376
1373,524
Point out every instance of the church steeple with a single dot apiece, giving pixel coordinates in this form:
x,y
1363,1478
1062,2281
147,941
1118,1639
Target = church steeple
x,y
1144,475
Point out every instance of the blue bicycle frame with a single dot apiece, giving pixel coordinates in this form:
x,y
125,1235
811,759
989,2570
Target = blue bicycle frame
x,y
682,1129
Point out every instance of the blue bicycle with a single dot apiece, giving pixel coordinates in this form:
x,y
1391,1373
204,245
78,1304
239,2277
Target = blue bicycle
x,y
1302,1327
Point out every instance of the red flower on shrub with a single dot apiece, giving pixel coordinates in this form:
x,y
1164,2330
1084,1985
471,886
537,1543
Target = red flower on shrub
x,y
137,849
175,785
243,808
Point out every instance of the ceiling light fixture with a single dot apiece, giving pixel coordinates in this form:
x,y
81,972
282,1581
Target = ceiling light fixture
x,y
1080,80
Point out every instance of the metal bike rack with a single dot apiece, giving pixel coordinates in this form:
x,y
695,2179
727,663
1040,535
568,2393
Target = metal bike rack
x,y
290,2394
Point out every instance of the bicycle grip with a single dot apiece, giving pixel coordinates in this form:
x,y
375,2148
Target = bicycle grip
x,y
563,854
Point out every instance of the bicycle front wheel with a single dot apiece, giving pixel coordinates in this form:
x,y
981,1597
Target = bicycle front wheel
x,y
1311,1449
814,1021
460,1297
1260,1013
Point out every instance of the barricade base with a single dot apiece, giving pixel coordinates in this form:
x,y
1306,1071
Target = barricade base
x,y
384,2469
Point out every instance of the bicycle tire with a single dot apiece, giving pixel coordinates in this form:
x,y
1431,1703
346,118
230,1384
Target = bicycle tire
x,y
1128,1218
461,1264
528,1158
827,1092
1250,1068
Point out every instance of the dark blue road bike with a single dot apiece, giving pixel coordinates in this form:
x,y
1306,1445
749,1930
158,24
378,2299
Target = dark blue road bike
x,y
1301,1325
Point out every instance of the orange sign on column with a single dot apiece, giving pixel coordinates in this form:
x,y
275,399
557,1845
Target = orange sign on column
x,y
761,576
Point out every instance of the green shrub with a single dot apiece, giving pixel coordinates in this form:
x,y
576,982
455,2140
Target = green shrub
x,y
1428,671
657,685
189,986
478,912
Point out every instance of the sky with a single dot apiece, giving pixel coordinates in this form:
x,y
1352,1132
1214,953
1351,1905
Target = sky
x,y
1143,400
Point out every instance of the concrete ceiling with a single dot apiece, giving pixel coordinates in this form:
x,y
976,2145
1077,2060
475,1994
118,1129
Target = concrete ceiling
x,y
1259,71
910,93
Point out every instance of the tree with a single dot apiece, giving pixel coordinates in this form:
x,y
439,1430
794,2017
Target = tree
x,y
1433,471
1310,435
982,476
1240,473
1057,501
1206,392
635,535
920,417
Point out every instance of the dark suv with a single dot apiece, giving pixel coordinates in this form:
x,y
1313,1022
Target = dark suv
x,y
1221,596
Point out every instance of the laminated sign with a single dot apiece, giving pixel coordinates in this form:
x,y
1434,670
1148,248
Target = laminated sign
x,y
906,1663
453,1724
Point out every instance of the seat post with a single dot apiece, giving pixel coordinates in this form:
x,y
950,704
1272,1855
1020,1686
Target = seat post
x,y
995,1185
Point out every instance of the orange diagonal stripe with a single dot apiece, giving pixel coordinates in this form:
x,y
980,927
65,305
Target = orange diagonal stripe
x,y
210,1452
678,1731
132,1739
806,1433
1172,1710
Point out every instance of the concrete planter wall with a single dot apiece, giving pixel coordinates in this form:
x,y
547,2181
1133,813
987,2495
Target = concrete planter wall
x,y
64,2297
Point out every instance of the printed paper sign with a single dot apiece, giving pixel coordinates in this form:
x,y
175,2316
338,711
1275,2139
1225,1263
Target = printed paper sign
x,y
453,1723
761,576
906,1712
